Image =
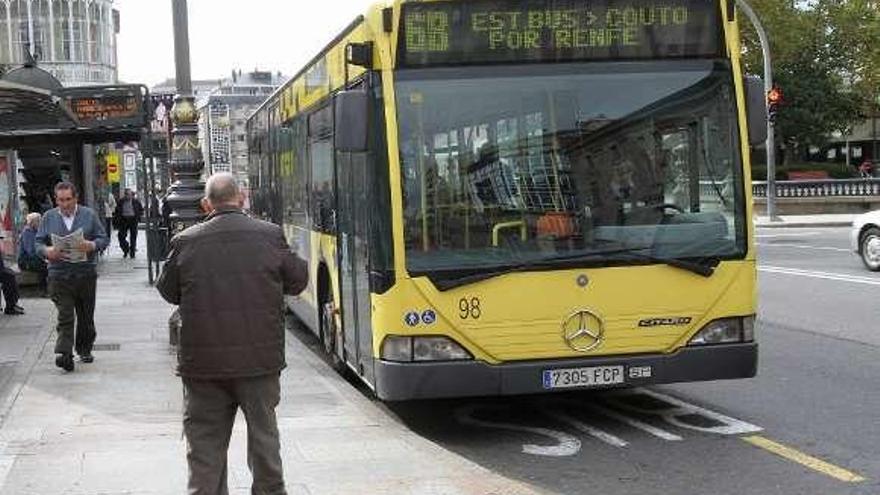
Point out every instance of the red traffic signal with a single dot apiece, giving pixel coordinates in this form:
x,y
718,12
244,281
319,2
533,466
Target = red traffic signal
x,y
774,99
774,96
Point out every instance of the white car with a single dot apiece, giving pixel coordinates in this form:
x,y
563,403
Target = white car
x,y
865,239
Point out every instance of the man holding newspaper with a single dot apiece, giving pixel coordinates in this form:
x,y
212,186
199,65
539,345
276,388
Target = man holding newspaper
x,y
68,237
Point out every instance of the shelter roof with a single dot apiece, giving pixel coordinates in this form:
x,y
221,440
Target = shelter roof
x,y
26,110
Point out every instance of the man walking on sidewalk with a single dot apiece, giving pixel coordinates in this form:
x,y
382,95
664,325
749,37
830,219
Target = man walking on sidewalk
x,y
129,211
73,275
228,274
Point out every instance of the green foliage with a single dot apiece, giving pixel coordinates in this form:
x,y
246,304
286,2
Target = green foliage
x,y
854,35
826,57
814,105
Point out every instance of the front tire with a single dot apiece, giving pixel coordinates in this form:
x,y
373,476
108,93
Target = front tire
x,y
329,333
869,248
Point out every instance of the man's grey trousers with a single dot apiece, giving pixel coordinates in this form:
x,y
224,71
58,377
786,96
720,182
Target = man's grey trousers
x,y
209,414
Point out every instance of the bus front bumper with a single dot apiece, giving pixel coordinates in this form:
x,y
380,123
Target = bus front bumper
x,y
407,381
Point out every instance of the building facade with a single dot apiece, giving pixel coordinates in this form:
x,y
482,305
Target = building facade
x,y
74,40
223,118
224,106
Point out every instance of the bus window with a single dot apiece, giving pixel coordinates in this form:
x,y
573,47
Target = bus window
x,y
323,197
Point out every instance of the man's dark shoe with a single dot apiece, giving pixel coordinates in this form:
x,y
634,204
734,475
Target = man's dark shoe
x,y
14,310
64,361
87,358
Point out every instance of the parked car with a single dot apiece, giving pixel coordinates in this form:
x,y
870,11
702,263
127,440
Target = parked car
x,y
865,239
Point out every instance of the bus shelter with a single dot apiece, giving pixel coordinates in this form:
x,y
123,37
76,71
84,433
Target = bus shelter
x,y
47,129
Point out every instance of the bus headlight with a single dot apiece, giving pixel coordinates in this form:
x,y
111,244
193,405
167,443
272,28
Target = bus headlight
x,y
726,331
421,349
438,349
397,348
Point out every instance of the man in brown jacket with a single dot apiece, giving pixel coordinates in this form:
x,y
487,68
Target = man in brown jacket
x,y
229,274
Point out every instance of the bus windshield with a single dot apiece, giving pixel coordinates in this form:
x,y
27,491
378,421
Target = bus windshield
x,y
548,164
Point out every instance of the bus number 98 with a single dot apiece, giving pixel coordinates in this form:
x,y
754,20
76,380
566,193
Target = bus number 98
x,y
469,308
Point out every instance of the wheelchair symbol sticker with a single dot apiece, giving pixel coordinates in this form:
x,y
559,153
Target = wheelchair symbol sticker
x,y
429,317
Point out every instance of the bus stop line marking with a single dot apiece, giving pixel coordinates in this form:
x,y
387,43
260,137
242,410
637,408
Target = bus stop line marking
x,y
802,246
821,275
803,459
785,234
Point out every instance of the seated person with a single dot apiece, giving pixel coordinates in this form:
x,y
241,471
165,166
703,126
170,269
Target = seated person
x,y
28,259
9,285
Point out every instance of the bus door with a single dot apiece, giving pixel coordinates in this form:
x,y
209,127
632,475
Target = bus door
x,y
351,176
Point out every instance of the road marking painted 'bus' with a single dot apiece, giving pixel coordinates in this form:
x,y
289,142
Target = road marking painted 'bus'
x,y
591,430
566,445
803,246
821,275
804,459
621,406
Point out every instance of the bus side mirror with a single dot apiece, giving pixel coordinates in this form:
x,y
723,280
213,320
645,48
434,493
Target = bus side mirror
x,y
351,121
756,110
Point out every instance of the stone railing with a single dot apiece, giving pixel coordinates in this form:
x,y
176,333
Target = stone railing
x,y
820,188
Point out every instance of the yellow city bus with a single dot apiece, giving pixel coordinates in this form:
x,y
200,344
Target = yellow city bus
x,y
512,197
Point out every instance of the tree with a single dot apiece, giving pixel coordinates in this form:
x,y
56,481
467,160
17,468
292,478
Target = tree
x,y
808,65
814,104
854,35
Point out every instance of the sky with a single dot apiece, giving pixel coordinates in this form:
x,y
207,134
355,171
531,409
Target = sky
x,y
272,35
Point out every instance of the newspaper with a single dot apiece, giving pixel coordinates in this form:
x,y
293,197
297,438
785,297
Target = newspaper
x,y
69,246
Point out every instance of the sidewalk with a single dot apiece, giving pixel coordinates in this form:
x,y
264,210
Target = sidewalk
x,y
829,220
114,427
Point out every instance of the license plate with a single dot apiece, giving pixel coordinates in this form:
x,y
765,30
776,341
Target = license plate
x,y
592,376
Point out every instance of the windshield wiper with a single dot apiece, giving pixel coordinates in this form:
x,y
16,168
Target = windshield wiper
x,y
705,267
451,283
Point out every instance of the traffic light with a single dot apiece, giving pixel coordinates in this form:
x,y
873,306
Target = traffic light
x,y
774,99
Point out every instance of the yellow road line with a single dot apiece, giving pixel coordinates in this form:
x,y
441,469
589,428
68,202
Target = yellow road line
x,y
804,459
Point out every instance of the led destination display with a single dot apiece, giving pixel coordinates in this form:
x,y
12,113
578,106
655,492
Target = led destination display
x,y
443,33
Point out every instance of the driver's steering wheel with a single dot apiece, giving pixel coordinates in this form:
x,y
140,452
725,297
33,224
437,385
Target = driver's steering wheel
x,y
666,206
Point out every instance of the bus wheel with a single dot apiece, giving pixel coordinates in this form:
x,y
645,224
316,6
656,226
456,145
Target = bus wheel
x,y
329,333
869,248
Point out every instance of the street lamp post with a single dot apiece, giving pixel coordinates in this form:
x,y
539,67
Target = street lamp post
x,y
186,160
768,86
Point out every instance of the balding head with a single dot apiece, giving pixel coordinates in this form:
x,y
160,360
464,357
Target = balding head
x,y
222,190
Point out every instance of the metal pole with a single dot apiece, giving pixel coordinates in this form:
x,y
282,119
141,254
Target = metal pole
x,y
150,195
186,160
768,85
181,47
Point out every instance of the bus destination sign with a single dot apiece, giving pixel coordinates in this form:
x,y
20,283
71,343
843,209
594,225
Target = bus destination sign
x,y
107,107
490,31
101,108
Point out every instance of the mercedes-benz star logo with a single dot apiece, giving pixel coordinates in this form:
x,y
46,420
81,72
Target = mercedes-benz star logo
x,y
583,331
